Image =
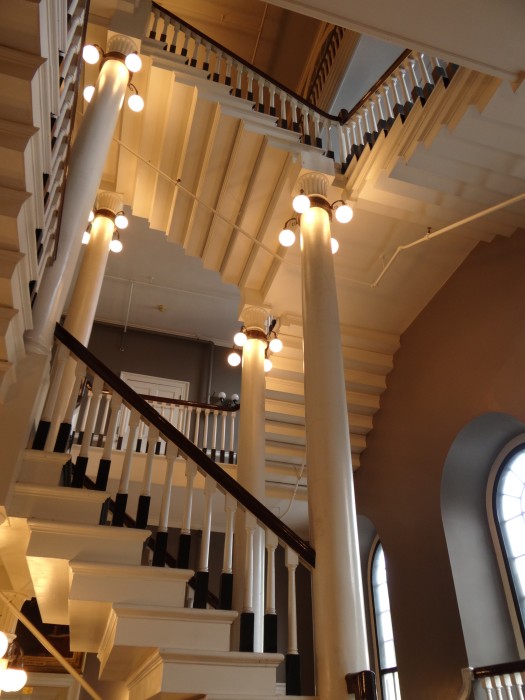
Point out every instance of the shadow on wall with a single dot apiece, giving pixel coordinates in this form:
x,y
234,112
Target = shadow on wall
x,y
479,448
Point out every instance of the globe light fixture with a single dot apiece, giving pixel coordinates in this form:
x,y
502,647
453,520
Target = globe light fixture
x,y
276,344
116,244
335,245
267,364
135,102
86,236
234,359
343,211
121,220
240,339
12,680
133,62
91,54
301,203
88,93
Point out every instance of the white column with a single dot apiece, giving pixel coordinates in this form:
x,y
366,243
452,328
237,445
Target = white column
x,y
251,458
339,620
88,156
83,305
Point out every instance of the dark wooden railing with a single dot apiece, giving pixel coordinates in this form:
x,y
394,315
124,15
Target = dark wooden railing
x,y
191,451
410,79
503,681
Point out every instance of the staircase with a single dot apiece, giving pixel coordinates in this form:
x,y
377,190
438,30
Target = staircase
x,y
67,549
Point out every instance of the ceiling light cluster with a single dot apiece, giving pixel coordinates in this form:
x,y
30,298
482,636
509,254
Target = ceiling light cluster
x,y
301,203
273,344
93,53
11,679
120,221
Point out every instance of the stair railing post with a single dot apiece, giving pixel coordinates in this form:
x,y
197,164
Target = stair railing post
x,y
101,483
202,574
270,613
57,370
121,499
226,585
183,556
161,537
64,432
79,471
247,626
293,677
143,505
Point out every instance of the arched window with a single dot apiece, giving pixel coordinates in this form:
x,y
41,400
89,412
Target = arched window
x,y
509,515
386,652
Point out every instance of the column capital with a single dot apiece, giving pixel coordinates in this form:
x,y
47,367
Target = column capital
x,y
314,184
255,318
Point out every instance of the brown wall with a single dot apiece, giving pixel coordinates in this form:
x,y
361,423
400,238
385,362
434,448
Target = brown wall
x,y
462,357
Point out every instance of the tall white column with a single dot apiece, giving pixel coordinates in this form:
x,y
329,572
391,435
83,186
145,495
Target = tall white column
x,y
251,459
339,619
84,300
88,156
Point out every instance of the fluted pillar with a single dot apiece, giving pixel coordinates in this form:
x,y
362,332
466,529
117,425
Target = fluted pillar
x,y
339,619
251,462
88,156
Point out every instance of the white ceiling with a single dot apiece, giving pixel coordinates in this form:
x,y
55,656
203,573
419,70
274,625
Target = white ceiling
x,y
153,284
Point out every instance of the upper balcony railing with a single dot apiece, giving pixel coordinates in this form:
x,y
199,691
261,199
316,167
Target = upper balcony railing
x,y
411,78
504,681
63,98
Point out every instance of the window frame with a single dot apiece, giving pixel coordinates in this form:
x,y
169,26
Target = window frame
x,y
380,672
499,539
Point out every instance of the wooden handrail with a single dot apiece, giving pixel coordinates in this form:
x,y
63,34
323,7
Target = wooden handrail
x,y
192,404
222,478
499,669
248,65
340,118
375,87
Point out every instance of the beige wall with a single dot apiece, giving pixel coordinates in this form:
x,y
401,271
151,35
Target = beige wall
x,y
462,357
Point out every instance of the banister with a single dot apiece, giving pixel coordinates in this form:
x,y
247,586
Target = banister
x,y
340,118
375,87
499,669
223,479
245,63
192,404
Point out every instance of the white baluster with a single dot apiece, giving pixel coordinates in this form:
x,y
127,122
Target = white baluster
x,y
57,371
115,404
317,133
191,473
198,412
292,561
238,89
284,122
374,117
360,128
233,415
271,89
176,29
214,430
201,577
261,94
507,684
271,546
347,132
519,679
83,414
498,685
295,118
415,77
156,18
403,73
166,24
82,459
250,77
205,430
187,37
306,125
161,537
196,47
342,144
230,507
250,524
128,457
486,684
223,431
388,103
424,70
395,85
229,62
217,69
64,431
206,64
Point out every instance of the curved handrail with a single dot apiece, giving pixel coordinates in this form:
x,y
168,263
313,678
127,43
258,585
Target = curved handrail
x,y
245,63
222,478
375,87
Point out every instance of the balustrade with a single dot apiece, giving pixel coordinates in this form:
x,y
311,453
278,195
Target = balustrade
x,y
410,79
103,411
497,682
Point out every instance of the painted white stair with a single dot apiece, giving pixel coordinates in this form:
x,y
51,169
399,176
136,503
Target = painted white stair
x,y
133,617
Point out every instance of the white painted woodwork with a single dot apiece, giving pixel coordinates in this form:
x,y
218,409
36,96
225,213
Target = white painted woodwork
x,y
46,502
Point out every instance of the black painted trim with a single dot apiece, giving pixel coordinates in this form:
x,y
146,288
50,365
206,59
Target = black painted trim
x,y
226,591
160,549
270,633
101,483
141,521
362,684
39,441
184,550
79,472
247,631
119,509
201,589
62,440
293,674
